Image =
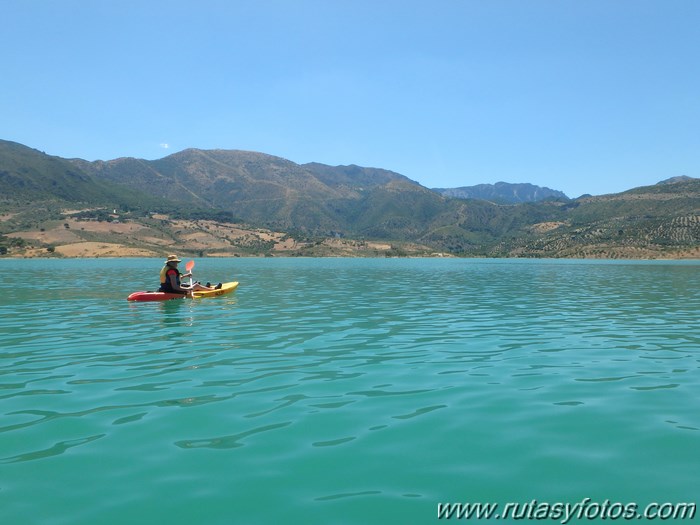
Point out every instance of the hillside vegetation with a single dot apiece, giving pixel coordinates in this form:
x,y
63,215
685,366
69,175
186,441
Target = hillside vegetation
x,y
229,203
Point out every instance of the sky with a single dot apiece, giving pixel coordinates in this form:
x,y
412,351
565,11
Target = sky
x,y
581,96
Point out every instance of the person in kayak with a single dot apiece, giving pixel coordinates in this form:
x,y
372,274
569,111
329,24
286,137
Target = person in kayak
x,y
170,279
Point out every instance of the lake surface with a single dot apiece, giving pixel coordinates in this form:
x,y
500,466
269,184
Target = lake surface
x,y
348,391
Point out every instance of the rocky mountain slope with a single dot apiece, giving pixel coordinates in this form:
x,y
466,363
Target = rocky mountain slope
x,y
503,193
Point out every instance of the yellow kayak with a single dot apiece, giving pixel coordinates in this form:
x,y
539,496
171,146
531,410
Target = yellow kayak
x,y
225,288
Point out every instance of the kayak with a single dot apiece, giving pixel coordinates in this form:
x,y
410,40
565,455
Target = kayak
x,y
165,296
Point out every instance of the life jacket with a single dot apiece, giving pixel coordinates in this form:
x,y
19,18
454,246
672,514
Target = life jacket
x,y
165,281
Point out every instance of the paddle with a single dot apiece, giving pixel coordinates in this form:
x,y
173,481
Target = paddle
x,y
189,267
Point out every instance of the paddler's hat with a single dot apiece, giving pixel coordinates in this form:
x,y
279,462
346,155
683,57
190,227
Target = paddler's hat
x,y
172,258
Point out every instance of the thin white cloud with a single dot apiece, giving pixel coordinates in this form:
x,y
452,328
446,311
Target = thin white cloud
x,y
165,145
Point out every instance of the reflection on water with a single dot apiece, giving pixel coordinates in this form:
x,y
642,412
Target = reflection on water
x,y
347,390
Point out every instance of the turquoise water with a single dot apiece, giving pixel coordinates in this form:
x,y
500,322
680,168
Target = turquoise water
x,y
344,391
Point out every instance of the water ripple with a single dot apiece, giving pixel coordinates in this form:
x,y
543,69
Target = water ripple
x,y
232,441
55,450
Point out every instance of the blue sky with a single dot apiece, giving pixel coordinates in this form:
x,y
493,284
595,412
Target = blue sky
x,y
583,96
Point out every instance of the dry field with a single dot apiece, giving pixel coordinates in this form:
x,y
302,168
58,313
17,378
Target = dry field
x,y
161,235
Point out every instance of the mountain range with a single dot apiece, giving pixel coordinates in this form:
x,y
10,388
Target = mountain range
x,y
316,201
503,192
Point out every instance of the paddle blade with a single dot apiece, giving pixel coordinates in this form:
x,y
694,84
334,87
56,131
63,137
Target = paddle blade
x,y
189,266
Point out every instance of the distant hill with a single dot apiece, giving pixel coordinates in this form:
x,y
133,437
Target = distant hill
x,y
503,193
646,222
29,174
260,188
316,201
277,193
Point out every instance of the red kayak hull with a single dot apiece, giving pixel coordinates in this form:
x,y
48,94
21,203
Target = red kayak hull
x,y
154,296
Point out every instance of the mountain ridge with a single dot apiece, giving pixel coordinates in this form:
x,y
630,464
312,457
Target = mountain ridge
x,y
504,192
316,201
